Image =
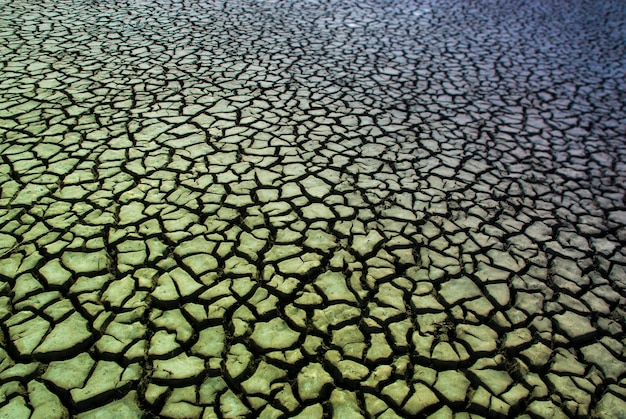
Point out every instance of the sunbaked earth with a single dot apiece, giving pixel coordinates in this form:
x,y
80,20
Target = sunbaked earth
x,y
311,209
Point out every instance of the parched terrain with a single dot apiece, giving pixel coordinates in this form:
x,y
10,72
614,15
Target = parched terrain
x,y
316,208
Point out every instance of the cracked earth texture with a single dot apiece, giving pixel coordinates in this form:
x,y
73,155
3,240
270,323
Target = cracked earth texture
x,y
309,209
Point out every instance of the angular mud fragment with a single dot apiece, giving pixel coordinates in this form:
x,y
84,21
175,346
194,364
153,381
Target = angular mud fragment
x,y
275,334
179,368
66,338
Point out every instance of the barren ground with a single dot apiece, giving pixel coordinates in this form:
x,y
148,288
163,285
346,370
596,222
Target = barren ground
x,y
308,209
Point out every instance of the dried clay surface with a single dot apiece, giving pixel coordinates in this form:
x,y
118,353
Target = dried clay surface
x,y
317,208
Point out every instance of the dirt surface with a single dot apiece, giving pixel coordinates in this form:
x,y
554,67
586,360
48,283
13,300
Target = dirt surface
x,y
312,209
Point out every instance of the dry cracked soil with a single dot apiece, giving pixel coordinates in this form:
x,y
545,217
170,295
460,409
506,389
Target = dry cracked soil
x,y
316,208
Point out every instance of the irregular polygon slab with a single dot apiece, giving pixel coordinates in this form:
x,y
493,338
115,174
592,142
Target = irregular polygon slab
x,y
262,379
180,409
15,408
459,289
397,391
238,360
311,380
86,262
11,265
315,186
609,404
350,340
281,251
119,291
174,321
46,405
517,338
365,245
7,242
27,334
449,354
499,294
422,398
132,213
165,290
497,381
379,349
334,315
400,332
480,338
453,385
274,334
210,388
320,240
231,406
301,265
484,400
19,372
163,343
181,367
378,408
537,355
250,245
348,370
618,216
577,398
185,284
117,336
607,362
565,362
69,374
389,295
30,194
546,409
211,342
65,338
333,285
104,380
197,245
539,231
487,273
578,328
344,404
127,407
317,211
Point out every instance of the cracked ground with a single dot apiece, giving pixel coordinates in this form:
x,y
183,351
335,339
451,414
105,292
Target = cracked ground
x,y
311,209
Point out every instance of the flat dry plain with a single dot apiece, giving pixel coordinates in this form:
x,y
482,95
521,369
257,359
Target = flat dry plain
x,y
312,209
